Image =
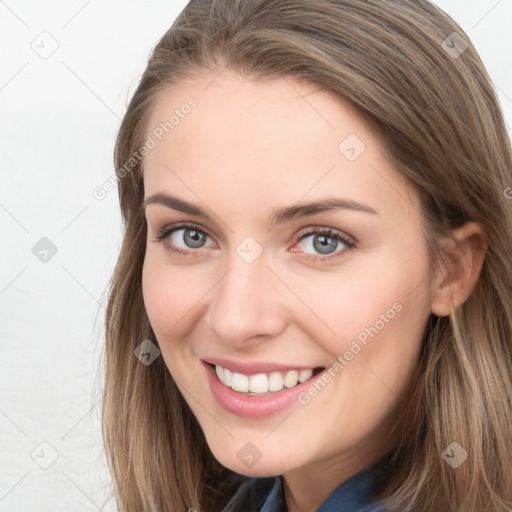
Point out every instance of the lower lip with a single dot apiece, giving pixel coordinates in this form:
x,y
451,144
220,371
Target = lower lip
x,y
253,406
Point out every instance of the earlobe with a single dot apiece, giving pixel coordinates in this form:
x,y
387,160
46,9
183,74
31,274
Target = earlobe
x,y
463,256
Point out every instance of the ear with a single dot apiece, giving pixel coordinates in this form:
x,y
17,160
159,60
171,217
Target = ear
x,y
464,254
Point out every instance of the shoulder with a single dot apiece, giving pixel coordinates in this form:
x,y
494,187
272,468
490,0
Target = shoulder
x,y
266,495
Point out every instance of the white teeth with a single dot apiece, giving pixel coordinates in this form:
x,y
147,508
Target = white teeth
x,y
291,378
303,375
258,383
262,383
275,382
240,382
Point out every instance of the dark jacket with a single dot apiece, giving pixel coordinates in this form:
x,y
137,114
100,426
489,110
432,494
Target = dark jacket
x,y
266,495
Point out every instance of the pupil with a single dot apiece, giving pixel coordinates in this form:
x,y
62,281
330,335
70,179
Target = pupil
x,y
322,243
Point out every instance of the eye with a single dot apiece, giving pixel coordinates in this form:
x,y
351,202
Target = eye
x,y
325,242
187,239
183,238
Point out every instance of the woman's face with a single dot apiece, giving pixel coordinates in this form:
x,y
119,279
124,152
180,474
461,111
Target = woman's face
x,y
268,283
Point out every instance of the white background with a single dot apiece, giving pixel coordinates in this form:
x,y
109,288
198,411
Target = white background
x,y
59,117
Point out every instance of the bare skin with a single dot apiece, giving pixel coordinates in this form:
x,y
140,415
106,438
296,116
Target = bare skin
x,y
249,147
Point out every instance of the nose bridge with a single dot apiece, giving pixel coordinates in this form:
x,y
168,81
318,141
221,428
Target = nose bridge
x,y
245,302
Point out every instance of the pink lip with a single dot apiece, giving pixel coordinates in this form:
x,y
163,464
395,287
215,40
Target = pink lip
x,y
253,368
253,406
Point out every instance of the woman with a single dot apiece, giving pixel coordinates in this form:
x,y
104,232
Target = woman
x,y
312,305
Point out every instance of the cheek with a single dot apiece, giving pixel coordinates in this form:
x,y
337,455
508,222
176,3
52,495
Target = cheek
x,y
170,302
378,318
169,298
375,310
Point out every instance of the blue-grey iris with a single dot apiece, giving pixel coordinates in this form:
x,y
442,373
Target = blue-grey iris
x,y
195,240
320,244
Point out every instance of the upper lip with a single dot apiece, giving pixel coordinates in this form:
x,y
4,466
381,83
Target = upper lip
x,y
255,367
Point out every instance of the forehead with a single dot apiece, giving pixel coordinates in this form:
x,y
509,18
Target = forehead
x,y
254,141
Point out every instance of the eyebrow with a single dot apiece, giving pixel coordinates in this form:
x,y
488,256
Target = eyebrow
x,y
278,215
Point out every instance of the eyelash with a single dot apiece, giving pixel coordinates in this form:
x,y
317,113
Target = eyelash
x,y
349,243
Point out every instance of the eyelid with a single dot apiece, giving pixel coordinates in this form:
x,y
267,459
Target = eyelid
x,y
183,225
313,229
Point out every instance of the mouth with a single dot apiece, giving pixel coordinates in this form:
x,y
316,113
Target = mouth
x,y
258,395
263,384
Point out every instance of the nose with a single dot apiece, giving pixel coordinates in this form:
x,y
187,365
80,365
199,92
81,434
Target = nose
x,y
247,304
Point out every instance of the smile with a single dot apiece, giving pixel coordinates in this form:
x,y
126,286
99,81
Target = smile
x,y
244,395
263,383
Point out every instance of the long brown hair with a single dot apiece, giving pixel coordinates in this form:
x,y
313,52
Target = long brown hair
x,y
405,66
